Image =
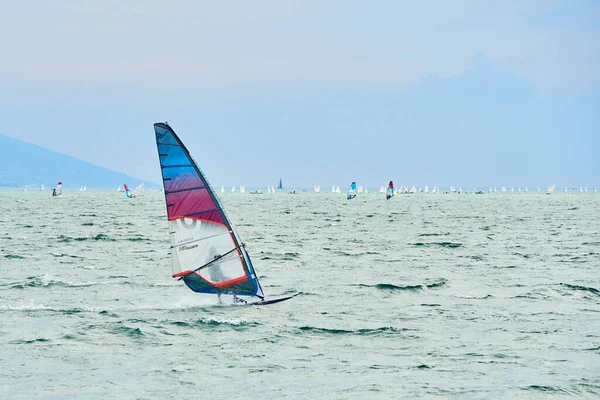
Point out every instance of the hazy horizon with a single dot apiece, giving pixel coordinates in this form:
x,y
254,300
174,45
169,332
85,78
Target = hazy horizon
x,y
464,94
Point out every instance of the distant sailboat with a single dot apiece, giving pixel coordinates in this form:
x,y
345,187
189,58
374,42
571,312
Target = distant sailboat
x,y
337,189
434,190
233,188
85,188
222,189
366,190
280,187
503,189
119,189
551,189
42,188
242,189
206,252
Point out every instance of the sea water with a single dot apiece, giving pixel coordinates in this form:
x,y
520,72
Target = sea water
x,y
424,295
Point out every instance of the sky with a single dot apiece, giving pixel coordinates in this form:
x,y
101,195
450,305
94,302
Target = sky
x,y
463,93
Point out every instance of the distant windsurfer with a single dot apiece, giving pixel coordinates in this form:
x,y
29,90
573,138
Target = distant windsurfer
x,y
128,192
391,186
57,191
352,191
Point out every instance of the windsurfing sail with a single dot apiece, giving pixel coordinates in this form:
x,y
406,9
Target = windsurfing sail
x,y
551,189
222,189
206,252
280,184
137,192
57,191
352,191
42,188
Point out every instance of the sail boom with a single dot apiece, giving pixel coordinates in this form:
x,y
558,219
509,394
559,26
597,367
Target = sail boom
x,y
217,258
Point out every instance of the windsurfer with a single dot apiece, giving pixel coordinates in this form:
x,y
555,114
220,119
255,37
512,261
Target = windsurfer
x,y
128,192
215,271
391,186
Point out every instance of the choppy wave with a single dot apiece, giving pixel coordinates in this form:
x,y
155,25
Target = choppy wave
x,y
100,237
448,245
591,290
128,331
392,287
59,255
546,389
357,332
38,340
46,281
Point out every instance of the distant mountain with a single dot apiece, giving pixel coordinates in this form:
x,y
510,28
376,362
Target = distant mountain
x,y
24,163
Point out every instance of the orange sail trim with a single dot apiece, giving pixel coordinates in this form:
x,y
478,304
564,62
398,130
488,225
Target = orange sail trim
x,y
220,285
231,282
182,273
